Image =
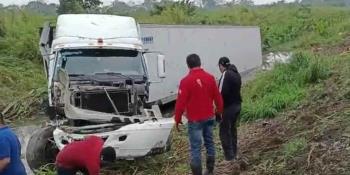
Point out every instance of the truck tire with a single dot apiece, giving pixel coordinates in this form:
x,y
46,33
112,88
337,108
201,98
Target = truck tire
x,y
41,150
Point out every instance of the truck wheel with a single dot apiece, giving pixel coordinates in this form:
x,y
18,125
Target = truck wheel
x,y
41,149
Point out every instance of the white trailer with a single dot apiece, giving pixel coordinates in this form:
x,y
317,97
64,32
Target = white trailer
x,y
241,44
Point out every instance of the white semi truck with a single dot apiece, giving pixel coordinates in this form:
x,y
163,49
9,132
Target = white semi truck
x,y
108,76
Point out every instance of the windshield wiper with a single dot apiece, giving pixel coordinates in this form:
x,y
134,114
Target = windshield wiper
x,y
108,73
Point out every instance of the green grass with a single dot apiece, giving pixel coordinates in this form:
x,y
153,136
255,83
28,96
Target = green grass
x,y
46,170
22,81
19,34
22,84
283,87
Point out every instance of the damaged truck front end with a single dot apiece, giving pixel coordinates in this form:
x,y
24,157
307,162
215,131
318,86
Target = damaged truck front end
x,y
104,93
99,88
129,141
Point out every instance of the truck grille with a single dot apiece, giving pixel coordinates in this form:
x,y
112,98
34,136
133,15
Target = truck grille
x,y
98,101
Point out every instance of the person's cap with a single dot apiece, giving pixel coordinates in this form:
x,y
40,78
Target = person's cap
x,y
108,154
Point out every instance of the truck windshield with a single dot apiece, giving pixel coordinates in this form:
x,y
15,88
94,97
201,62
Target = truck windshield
x,y
92,61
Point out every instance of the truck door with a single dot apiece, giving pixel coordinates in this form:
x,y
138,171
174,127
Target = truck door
x,y
155,65
46,38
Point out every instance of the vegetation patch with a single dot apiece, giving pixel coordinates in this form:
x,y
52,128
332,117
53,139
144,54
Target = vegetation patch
x,y
22,87
283,87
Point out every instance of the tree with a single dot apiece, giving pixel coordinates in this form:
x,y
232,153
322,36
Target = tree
x,y
70,7
78,6
187,7
118,8
41,7
91,4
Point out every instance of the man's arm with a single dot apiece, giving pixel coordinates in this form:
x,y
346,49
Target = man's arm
x,y
5,153
181,102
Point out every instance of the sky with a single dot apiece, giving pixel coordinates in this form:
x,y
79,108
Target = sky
x,y
107,2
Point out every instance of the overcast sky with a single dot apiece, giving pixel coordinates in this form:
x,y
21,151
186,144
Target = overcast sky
x,y
107,2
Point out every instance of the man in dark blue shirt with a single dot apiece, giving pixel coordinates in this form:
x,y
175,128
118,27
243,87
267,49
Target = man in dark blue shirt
x,y
10,151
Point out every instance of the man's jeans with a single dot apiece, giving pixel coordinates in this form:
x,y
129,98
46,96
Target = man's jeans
x,y
228,131
197,130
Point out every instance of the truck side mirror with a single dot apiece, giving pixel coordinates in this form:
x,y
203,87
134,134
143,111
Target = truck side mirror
x,y
161,66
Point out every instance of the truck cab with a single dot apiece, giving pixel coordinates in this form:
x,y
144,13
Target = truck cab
x,y
98,84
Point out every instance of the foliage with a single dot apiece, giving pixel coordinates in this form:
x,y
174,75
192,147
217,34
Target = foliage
x,y
22,86
19,34
46,170
284,86
41,7
78,6
122,8
174,12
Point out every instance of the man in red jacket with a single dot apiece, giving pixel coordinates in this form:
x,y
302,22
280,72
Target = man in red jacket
x,y
84,156
196,95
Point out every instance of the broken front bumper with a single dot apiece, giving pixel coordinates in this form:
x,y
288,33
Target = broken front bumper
x,y
130,141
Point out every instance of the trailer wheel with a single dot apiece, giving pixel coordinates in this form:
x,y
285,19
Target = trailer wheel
x,y
41,149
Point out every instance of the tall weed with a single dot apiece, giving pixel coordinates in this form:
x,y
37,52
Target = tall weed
x,y
282,87
19,34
